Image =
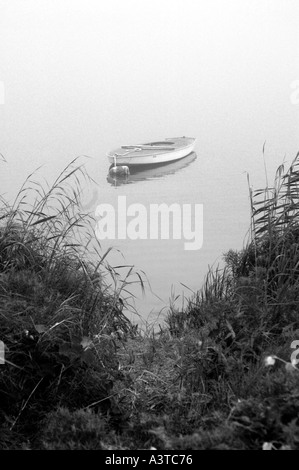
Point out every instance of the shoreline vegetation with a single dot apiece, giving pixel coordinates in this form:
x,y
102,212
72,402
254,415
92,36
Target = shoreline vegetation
x,y
78,374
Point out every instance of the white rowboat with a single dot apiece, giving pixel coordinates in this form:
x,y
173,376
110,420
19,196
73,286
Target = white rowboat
x,y
164,151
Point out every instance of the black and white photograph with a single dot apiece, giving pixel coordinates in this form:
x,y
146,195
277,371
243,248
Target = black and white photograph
x,y
149,227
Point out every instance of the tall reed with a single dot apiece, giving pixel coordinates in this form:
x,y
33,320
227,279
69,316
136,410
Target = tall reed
x,y
61,303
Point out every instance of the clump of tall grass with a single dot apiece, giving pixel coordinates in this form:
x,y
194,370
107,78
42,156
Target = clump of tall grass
x,y
244,311
60,316
262,280
275,227
268,267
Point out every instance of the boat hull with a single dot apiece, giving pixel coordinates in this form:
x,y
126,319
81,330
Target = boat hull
x,y
150,172
148,154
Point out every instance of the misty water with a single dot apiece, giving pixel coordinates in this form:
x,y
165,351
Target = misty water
x,y
84,78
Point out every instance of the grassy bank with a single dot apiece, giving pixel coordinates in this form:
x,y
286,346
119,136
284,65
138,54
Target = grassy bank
x,y
78,375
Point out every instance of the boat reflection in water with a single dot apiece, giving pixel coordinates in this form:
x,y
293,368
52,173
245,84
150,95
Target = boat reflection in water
x,y
148,172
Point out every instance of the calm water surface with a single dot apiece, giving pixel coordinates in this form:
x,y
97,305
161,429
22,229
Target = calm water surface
x,y
218,181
